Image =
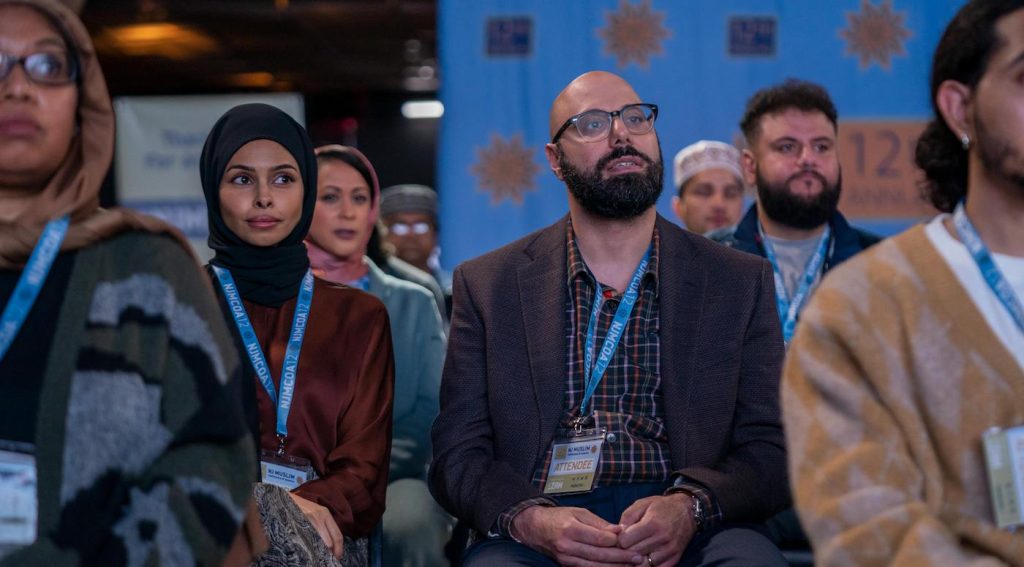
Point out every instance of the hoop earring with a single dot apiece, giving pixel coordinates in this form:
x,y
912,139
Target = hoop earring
x,y
965,141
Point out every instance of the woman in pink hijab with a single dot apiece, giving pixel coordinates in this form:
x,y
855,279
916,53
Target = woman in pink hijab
x,y
348,201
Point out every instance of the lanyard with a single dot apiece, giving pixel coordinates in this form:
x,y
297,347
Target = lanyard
x,y
593,371
31,281
362,283
983,258
252,345
789,308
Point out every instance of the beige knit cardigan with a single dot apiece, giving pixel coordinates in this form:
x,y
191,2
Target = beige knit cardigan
x,y
891,379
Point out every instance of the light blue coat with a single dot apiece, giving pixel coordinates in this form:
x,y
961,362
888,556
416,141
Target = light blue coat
x,y
419,344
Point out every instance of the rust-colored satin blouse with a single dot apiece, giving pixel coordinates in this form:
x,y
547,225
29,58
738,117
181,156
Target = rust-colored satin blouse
x,y
341,411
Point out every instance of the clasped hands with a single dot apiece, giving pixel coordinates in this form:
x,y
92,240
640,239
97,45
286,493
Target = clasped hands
x,y
653,531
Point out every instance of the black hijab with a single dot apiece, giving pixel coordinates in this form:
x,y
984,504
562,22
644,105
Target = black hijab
x,y
266,275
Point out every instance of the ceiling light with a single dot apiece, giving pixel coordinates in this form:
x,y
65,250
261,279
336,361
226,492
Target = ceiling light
x,y
423,109
258,79
162,39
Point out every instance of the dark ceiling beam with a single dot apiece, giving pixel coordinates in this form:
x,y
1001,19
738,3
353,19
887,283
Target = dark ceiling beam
x,y
316,46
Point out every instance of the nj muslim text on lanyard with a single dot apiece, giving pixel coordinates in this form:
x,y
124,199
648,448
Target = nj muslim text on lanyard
x,y
18,501
983,258
576,453
593,371
283,470
789,308
31,281
252,345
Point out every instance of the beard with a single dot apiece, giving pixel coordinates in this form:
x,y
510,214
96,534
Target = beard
x,y
1000,157
619,197
781,205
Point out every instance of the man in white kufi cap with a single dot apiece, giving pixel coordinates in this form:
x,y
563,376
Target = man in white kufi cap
x,y
709,181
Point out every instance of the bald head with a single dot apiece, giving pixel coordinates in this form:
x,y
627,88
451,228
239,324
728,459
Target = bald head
x,y
587,92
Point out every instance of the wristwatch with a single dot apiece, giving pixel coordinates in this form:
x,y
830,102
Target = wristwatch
x,y
700,517
698,513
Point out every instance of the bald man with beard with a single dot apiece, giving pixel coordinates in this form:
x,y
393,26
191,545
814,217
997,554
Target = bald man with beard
x,y
610,394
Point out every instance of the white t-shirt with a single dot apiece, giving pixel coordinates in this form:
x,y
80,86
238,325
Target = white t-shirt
x,y
966,270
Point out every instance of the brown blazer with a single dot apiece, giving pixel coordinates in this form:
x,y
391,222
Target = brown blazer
x,y
504,378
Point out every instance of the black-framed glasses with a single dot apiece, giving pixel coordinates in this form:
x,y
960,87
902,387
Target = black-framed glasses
x,y
595,125
44,68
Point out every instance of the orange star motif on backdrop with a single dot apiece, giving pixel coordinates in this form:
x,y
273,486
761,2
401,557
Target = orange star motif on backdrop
x,y
505,169
634,33
875,34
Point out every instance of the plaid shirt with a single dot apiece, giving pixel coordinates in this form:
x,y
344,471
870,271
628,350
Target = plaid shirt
x,y
628,401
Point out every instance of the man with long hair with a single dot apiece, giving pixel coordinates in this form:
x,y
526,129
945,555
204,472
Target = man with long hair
x,y
909,354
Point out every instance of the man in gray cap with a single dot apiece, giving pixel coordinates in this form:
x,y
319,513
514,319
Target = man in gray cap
x,y
410,214
709,180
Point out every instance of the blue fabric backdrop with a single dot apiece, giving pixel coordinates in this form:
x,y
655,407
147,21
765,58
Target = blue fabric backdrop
x,y
504,61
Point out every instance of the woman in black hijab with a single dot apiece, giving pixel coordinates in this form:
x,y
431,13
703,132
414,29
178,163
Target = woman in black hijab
x,y
319,354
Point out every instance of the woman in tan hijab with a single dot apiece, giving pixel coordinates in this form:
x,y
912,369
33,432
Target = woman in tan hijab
x,y
122,439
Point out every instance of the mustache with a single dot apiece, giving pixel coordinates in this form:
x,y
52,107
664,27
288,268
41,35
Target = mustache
x,y
620,152
812,173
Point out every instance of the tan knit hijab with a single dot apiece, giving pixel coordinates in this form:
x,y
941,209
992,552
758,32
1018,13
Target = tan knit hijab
x,y
74,189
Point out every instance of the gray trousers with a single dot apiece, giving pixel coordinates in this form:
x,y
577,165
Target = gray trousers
x,y
415,527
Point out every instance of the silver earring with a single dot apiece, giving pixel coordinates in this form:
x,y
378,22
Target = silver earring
x,y
965,141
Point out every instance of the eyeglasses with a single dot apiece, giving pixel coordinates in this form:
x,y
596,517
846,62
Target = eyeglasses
x,y
595,125
405,229
44,68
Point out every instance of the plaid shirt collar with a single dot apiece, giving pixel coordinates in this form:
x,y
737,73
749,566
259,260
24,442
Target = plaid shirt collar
x,y
577,267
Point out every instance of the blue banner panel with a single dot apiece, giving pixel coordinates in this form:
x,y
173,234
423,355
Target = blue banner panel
x,y
504,61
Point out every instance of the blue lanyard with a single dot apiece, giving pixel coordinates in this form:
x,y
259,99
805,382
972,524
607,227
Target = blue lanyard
x,y
31,281
594,372
789,309
362,283
252,345
983,258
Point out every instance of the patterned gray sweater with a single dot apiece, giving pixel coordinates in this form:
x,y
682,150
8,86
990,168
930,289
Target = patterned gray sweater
x,y
142,452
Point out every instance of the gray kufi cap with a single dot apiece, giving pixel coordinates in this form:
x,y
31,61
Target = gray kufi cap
x,y
408,199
